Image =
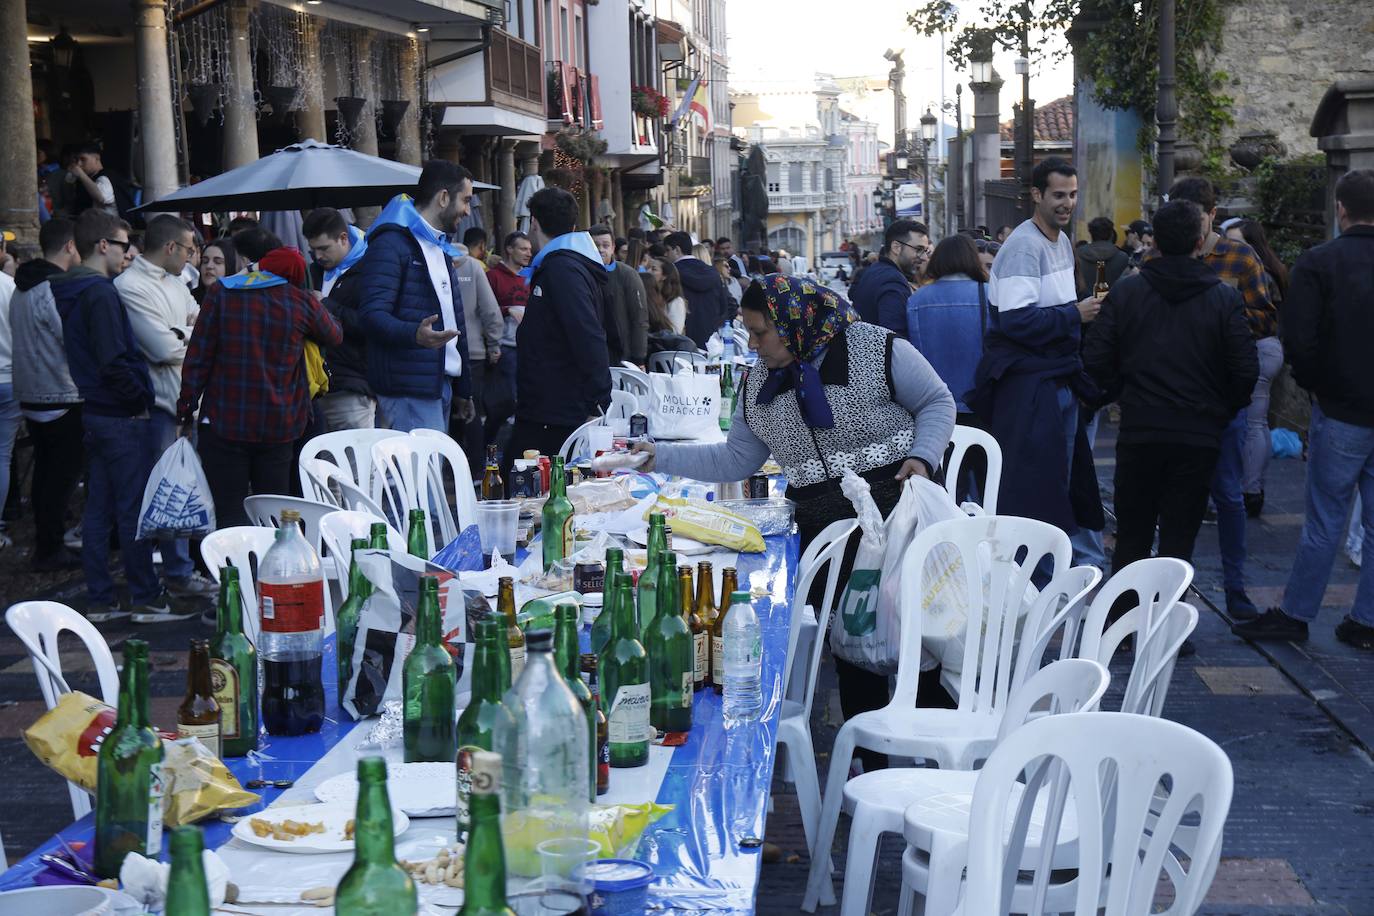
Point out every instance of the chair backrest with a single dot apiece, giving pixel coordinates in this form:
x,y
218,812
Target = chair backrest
x,y
38,624
624,404
1063,686
986,560
449,452
575,446
630,379
1058,612
964,438
823,555
339,529
1111,766
408,475
328,483
671,361
243,547
264,510
350,450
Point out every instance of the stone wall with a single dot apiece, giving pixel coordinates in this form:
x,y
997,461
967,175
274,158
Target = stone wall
x,y
1281,55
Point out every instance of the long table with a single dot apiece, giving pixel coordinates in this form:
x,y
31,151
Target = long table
x,y
704,852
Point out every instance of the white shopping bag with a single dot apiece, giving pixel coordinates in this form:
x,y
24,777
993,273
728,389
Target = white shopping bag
x,y
866,630
685,405
176,501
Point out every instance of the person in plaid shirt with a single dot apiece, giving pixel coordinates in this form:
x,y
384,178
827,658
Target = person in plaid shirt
x,y
1238,267
245,368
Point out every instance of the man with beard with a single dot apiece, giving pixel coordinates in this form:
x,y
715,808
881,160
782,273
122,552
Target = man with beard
x,y
411,310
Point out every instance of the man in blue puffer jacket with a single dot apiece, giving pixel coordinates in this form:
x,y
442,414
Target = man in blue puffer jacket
x,y
563,376
880,294
410,306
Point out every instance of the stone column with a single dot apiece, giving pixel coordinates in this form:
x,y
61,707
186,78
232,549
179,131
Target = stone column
x,y
240,112
987,144
622,219
18,155
365,137
155,99
505,201
408,131
310,119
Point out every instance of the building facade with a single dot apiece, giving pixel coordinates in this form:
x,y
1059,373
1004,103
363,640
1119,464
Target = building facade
x,y
863,174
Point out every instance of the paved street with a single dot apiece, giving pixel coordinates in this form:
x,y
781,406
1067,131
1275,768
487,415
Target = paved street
x,y
1294,721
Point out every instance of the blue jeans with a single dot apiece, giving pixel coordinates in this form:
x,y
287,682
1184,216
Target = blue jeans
x,y
405,414
1340,459
176,552
9,427
120,456
1226,494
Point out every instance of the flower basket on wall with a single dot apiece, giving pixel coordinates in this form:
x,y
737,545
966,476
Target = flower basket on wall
x,y
648,102
582,145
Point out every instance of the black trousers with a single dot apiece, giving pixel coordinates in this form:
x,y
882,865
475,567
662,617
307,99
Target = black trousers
x,y
527,434
1163,484
236,470
58,457
473,432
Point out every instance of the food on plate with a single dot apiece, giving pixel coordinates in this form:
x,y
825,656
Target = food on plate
x,y
288,830
445,868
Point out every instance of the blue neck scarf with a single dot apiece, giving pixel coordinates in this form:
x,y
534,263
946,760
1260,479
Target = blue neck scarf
x,y
400,211
580,242
807,318
254,279
355,254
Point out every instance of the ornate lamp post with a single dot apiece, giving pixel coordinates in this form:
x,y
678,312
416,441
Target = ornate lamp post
x,y
928,124
1166,105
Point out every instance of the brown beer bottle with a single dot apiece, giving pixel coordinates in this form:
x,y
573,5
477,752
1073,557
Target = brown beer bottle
x,y
603,734
515,637
706,610
493,487
728,579
1100,288
701,656
198,716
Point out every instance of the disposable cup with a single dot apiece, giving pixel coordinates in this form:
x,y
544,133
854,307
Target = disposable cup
x,y
600,439
497,520
563,863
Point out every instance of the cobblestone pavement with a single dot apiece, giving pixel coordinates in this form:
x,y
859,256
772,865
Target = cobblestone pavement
x,y
1293,719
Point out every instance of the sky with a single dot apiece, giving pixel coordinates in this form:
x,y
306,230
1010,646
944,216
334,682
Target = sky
x,y
775,45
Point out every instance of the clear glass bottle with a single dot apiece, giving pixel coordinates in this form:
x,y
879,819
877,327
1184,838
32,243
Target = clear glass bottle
x,y
291,637
375,884
544,749
743,659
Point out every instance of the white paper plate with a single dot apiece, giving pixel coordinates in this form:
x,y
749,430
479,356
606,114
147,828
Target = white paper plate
x,y
682,546
333,816
418,789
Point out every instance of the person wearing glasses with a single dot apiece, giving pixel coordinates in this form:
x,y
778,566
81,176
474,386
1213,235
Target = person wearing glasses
x,y
880,292
162,312
987,253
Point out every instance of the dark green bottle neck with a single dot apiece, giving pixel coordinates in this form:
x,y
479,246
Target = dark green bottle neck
x,y
375,839
558,480
377,540
667,584
358,584
565,648
229,612
486,668
485,878
428,619
133,692
623,624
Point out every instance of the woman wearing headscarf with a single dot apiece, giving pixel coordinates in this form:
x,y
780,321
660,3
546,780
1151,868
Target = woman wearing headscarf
x,y
828,393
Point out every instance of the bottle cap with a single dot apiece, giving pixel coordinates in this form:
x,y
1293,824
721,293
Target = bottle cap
x,y
290,517
228,573
485,768
358,544
539,641
566,609
739,597
587,661
531,454
429,583
371,769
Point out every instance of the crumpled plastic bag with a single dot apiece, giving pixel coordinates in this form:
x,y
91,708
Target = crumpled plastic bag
x,y
176,500
616,828
1285,443
196,784
709,524
145,879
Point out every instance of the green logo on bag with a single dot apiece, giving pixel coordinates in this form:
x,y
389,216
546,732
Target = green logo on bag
x,y
858,607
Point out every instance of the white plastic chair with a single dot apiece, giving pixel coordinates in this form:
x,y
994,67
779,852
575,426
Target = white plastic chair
x,y
464,490
323,478
963,439
1107,767
988,548
338,530
38,624
624,404
1057,614
243,547
408,476
630,379
671,361
350,450
805,640
576,445
264,510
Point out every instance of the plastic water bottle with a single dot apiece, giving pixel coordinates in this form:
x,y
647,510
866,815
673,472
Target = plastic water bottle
x,y
291,637
727,339
743,659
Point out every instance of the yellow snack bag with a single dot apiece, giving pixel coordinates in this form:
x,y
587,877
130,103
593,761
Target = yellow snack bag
x,y
617,828
709,523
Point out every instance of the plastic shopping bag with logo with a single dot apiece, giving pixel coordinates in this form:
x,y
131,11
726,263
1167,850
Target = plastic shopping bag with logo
x,y
685,405
176,501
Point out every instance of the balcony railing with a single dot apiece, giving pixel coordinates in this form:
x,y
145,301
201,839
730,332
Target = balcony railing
x,y
514,73
699,167
574,97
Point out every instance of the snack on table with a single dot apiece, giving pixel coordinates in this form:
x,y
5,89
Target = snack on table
x,y
445,868
288,830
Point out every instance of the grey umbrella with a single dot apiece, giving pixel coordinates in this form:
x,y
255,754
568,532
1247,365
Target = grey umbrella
x,y
301,176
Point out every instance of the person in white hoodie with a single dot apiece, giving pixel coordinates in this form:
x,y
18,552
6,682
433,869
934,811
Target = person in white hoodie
x,y
9,405
162,312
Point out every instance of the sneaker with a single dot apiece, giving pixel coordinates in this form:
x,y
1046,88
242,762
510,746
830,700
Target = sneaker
x,y
159,610
1254,504
73,538
1272,626
210,616
1353,633
193,586
1239,607
104,613
59,560
5,539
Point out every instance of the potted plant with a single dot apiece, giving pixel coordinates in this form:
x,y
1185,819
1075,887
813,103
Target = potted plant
x,y
648,102
582,145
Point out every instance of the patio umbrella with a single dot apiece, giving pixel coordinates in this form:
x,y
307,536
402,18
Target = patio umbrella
x,y
301,176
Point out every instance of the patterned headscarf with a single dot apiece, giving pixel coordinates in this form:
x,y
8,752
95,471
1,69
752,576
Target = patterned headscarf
x,y
807,317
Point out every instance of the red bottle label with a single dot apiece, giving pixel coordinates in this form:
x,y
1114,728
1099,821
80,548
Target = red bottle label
x,y
297,607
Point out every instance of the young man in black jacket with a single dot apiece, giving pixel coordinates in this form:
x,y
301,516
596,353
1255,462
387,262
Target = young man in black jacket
x,y
563,376
1173,346
337,248
1328,323
708,302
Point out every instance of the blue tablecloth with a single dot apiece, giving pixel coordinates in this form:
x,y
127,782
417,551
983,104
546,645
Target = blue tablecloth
x,y
717,782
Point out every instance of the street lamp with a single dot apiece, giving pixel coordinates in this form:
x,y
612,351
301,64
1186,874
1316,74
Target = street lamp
x,y
902,161
980,71
63,48
928,122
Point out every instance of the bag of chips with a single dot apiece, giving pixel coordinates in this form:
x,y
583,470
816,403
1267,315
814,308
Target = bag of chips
x,y
709,524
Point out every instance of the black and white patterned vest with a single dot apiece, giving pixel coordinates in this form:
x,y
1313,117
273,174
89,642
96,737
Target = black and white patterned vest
x,y
871,430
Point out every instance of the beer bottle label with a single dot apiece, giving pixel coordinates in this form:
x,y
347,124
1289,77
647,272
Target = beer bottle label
x,y
464,787
155,789
224,684
629,719
294,607
208,735
717,660
567,536
517,662
701,658
687,689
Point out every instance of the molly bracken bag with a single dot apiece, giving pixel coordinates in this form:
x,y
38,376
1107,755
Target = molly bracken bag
x,y
176,501
684,405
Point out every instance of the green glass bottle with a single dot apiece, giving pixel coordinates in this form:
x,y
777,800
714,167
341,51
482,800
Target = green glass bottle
x,y
568,657
346,617
234,670
374,885
477,724
377,539
417,538
602,625
484,860
647,605
187,892
556,523
625,693
671,663
429,682
128,799
727,397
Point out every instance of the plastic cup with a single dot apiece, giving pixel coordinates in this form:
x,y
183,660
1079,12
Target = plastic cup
x,y
600,439
563,863
497,520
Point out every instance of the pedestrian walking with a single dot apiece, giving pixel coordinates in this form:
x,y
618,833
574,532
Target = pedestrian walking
x,y
946,318
627,311
1102,249
880,292
1326,332
338,249
483,327
708,304
1030,383
511,293
1172,347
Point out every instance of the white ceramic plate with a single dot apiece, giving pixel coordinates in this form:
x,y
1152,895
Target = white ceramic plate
x,y
682,546
418,789
333,816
